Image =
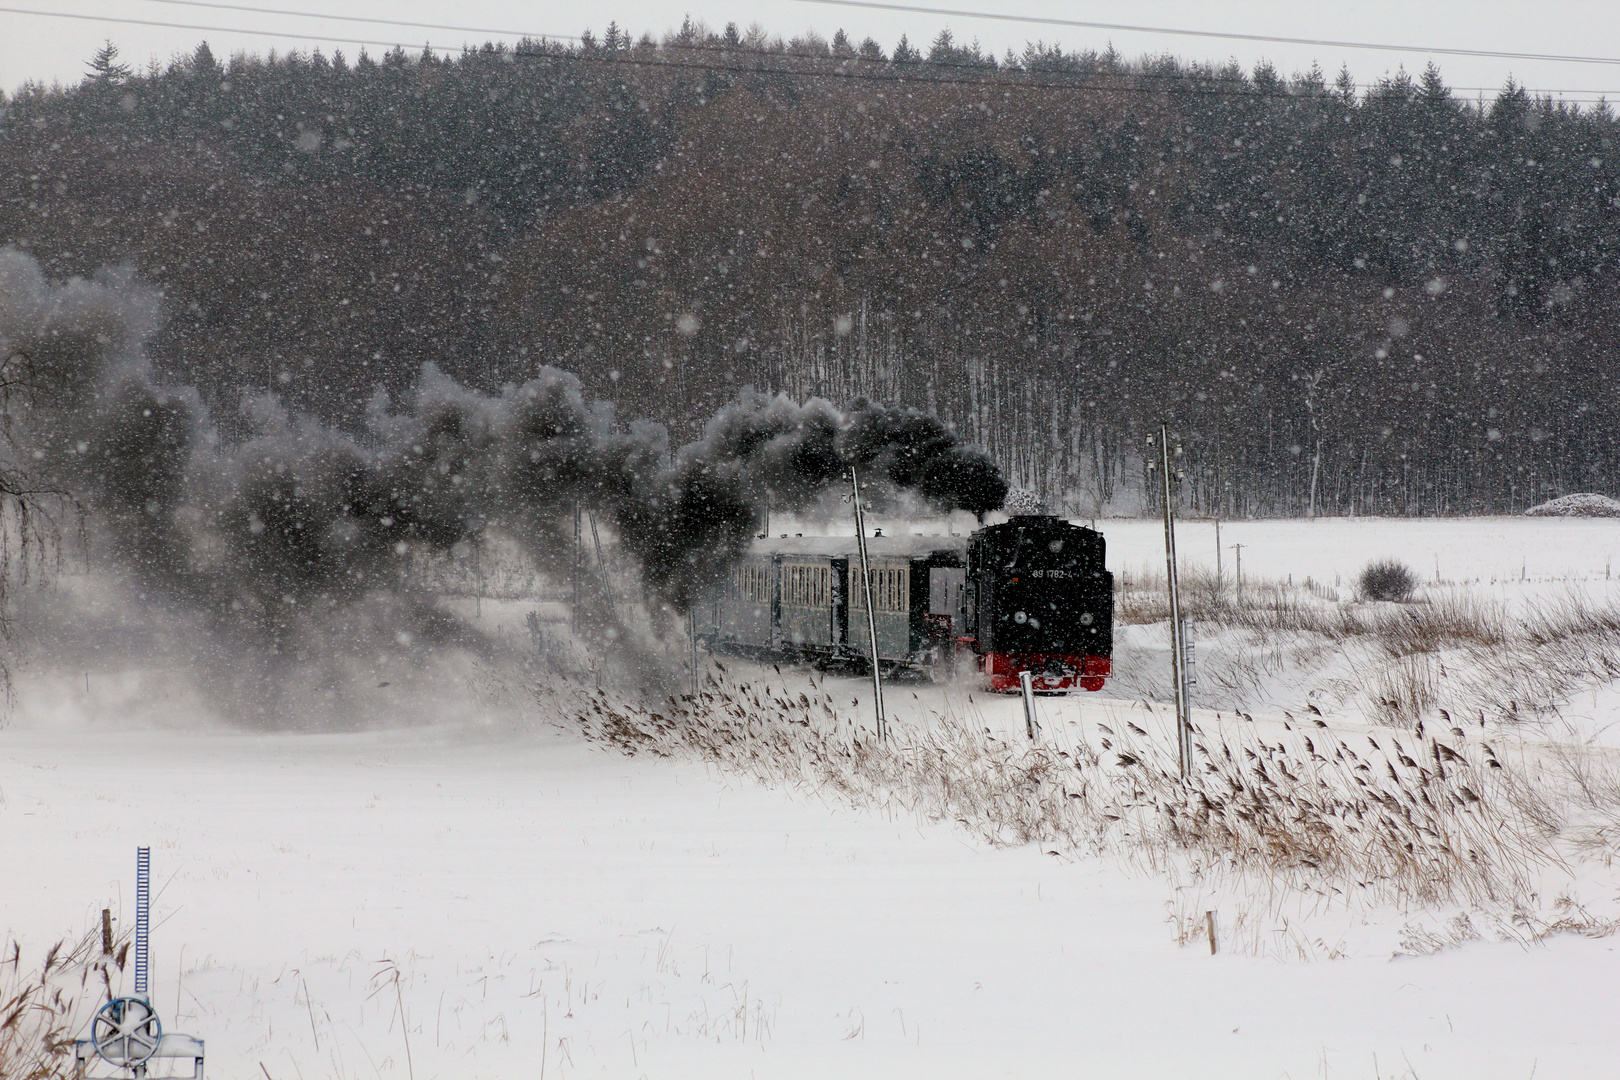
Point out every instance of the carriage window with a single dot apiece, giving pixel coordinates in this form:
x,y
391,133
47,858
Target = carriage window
x,y
754,582
891,590
806,586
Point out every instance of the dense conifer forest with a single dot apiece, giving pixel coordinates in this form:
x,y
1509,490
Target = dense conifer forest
x,y
1346,299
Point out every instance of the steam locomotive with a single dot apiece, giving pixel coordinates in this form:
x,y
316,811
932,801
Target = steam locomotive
x,y
1030,594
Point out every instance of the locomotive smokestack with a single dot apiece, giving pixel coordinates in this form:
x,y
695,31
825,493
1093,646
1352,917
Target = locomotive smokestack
x,y
1023,502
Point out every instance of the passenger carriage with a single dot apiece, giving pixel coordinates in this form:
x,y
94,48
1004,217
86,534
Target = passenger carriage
x,y
1030,594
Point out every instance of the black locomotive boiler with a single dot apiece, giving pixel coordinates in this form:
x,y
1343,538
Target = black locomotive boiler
x,y
1030,594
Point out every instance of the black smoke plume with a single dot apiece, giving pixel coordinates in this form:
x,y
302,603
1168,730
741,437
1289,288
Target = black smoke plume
x,y
302,520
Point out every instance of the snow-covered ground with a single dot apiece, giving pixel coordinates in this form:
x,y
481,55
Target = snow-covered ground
x,y
488,895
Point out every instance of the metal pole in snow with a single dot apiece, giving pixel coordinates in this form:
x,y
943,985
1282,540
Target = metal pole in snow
x,y
1178,660
1026,684
1189,654
602,567
574,613
691,633
143,915
871,616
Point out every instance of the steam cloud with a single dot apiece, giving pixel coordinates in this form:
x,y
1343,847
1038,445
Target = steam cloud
x,y
303,520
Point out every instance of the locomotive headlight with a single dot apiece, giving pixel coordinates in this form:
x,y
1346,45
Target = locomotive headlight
x,y
1020,617
1085,618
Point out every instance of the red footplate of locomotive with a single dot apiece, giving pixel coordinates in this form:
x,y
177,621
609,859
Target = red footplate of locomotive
x,y
1048,672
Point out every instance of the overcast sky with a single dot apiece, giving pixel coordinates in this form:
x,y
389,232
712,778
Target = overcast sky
x,y
48,47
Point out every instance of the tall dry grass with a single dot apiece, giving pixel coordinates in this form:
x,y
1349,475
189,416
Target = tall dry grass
x,y
1435,813
1450,653
1425,820
43,1008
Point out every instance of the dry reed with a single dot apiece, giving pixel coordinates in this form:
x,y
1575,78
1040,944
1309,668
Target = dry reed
x,y
42,1008
1450,649
1431,816
1408,819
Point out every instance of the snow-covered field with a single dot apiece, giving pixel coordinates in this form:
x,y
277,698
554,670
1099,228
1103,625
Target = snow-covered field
x,y
489,895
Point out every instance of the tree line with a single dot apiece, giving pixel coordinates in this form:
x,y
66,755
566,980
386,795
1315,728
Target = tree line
x,y
1345,299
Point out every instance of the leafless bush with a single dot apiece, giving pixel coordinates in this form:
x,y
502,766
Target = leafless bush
x,y
1387,579
41,1008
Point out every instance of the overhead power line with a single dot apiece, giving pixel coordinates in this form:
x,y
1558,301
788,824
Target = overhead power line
x,y
874,71
998,16
363,19
205,29
921,10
